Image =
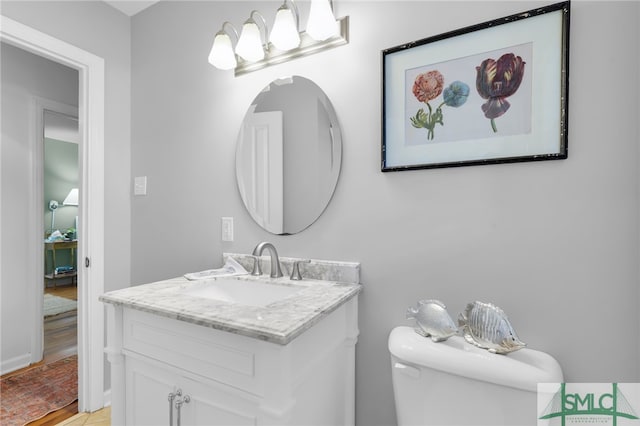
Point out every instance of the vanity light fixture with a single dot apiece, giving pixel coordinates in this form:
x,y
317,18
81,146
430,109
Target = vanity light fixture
x,y
222,55
249,45
322,22
284,34
284,43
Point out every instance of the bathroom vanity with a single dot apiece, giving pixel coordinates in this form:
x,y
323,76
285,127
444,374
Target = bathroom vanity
x,y
180,355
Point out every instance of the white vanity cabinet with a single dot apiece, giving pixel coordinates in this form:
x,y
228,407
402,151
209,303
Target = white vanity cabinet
x,y
158,394
230,378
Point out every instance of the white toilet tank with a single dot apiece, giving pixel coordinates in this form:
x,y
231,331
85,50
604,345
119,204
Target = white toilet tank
x,y
456,383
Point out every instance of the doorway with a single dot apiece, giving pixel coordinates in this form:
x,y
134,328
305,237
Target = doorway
x,y
60,188
90,212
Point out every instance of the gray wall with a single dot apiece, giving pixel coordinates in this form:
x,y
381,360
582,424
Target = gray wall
x,y
555,243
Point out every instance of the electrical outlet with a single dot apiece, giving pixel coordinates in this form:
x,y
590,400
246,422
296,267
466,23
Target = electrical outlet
x,y
227,229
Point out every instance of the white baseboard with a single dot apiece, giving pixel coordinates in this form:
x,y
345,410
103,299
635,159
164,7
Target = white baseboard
x,y
107,398
15,363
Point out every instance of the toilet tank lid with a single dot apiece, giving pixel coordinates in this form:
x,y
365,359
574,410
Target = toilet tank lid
x,y
522,369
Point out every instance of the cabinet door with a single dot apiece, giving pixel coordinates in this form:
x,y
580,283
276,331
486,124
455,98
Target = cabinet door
x,y
213,404
148,388
149,384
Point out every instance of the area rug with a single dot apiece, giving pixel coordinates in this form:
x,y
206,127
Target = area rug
x,y
54,305
38,391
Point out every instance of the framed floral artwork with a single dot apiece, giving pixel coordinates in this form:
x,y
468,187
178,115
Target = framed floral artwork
x,y
495,92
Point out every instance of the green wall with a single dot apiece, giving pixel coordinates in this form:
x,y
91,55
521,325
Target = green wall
x,y
60,175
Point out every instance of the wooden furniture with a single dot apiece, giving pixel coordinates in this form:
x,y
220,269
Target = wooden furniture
x,y
52,247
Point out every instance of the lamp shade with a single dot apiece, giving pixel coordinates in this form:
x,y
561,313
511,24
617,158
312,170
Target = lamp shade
x,y
250,44
221,55
284,34
322,23
72,198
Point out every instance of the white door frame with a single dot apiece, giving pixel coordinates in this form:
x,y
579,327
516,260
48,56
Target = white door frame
x,y
91,211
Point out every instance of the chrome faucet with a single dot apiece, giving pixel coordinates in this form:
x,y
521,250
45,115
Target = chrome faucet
x,y
276,272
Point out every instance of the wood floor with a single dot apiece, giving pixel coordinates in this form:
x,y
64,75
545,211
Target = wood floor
x,y
61,331
60,341
57,417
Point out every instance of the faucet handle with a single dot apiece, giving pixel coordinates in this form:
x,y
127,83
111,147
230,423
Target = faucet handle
x,y
257,271
295,270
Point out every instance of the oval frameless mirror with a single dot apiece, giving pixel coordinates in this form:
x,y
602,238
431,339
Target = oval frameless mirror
x,y
288,155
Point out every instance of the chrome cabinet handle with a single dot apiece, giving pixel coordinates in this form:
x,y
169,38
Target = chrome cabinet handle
x,y
171,397
182,400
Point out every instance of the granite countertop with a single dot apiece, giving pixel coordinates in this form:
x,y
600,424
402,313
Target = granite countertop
x,y
279,322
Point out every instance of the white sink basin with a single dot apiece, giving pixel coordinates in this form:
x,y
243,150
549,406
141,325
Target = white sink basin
x,y
253,293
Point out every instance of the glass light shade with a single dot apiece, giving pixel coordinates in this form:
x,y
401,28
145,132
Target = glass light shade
x,y
322,23
72,198
221,55
284,34
250,44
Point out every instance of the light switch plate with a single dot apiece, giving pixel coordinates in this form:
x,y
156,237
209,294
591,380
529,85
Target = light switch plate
x,y
227,229
140,185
